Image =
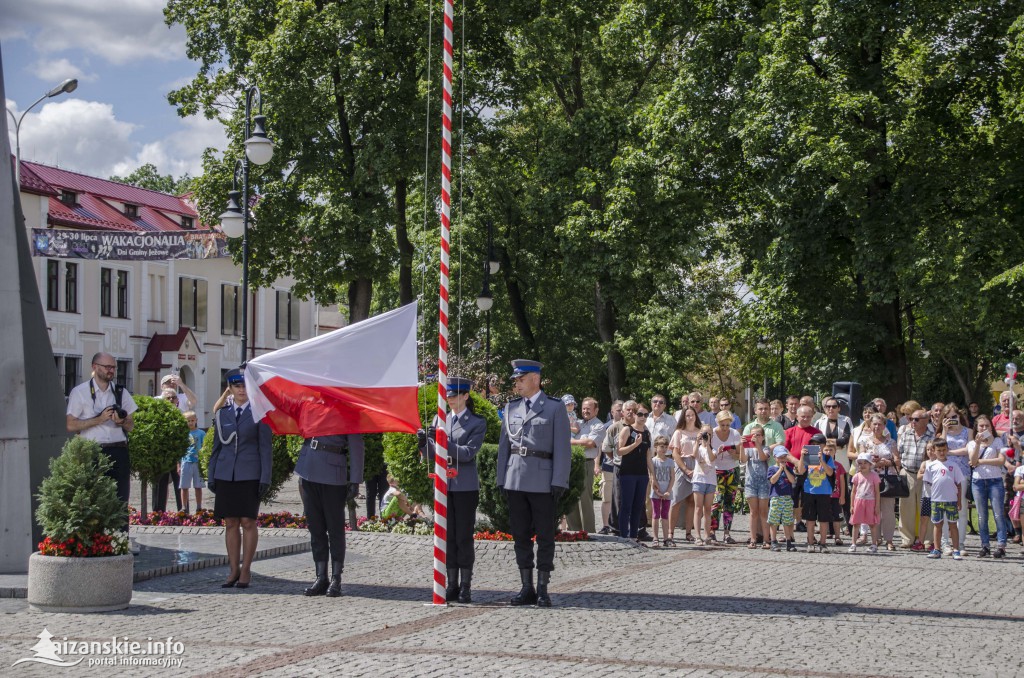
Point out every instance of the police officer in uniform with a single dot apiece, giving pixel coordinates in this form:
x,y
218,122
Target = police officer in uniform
x,y
534,457
239,475
466,432
330,469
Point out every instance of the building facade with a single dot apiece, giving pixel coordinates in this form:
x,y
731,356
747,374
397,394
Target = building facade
x,y
156,317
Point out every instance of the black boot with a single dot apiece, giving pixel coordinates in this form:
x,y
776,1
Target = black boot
x,y
451,591
334,590
320,585
542,589
527,595
465,595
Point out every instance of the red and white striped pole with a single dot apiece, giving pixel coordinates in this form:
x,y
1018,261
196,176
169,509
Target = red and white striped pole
x,y
441,439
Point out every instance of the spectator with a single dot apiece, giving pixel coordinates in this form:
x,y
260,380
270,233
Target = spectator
x,y
615,413
634,469
774,434
796,437
725,405
866,500
946,480
882,408
1001,422
660,423
1012,444
957,436
662,480
725,440
935,415
912,444
184,401
835,426
171,478
780,507
789,418
840,496
704,483
778,409
973,410
754,455
609,471
188,468
683,446
907,410
809,402
817,494
590,437
987,458
376,487
925,528
570,411
697,403
886,459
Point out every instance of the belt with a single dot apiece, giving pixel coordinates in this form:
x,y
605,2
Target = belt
x,y
123,443
315,444
524,452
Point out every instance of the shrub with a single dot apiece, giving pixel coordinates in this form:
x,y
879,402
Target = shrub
x,y
158,440
403,457
78,506
492,501
285,455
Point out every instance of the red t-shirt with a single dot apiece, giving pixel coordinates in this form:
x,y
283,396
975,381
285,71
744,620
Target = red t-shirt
x,y
797,437
840,472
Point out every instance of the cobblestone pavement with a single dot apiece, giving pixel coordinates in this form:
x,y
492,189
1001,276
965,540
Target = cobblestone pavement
x,y
620,609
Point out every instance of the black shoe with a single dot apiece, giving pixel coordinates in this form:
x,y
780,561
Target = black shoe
x,y
334,590
984,552
230,583
319,587
465,594
790,546
451,592
999,552
605,530
643,536
543,600
800,527
527,595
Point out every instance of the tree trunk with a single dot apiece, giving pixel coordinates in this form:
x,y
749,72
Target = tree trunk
x,y
892,351
517,306
604,316
405,248
145,504
360,294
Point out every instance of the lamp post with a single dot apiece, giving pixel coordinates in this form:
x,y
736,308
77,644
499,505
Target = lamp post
x,y
69,85
235,219
485,300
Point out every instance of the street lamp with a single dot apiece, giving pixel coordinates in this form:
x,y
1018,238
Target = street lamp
x,y
485,300
235,219
69,85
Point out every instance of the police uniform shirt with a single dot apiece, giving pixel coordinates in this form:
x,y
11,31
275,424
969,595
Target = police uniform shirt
x,y
82,406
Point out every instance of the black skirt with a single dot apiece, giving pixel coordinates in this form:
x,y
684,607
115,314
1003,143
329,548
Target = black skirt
x,y
237,499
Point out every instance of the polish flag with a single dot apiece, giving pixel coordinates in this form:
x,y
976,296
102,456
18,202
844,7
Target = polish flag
x,y
357,379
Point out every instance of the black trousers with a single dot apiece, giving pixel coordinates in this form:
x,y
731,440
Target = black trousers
x,y
616,499
325,515
121,472
376,486
160,490
532,514
461,521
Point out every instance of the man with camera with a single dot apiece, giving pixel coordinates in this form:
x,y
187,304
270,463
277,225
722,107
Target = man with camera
x,y
101,410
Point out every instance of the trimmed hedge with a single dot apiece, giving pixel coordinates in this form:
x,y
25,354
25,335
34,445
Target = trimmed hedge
x,y
158,440
492,502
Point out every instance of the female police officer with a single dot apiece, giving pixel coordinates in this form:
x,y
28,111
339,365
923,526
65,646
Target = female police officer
x,y
239,474
466,435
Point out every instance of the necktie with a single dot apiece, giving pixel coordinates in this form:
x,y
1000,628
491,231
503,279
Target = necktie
x,y
527,404
238,413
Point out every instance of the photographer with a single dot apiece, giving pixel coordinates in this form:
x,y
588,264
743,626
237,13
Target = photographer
x,y
100,410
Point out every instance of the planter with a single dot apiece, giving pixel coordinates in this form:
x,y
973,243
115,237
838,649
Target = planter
x,y
59,584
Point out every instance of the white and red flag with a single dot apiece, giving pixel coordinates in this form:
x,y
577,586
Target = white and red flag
x,y
357,379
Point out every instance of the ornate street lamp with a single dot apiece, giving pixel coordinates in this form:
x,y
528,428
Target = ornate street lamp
x,y
69,85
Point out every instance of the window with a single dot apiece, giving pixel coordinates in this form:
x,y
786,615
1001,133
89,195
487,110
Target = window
x,y
192,303
67,371
131,211
124,374
122,294
105,292
71,287
186,222
230,309
156,297
287,316
69,198
52,285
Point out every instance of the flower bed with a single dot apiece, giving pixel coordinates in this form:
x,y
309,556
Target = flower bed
x,y
498,535
404,525
205,518
109,543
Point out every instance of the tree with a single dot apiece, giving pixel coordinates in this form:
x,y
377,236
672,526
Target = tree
x,y
147,176
157,441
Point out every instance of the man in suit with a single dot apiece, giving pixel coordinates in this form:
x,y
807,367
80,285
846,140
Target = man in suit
x,y
466,431
329,468
534,457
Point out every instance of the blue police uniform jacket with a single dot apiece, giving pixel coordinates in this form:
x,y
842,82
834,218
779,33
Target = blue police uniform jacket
x,y
242,450
465,436
544,428
332,468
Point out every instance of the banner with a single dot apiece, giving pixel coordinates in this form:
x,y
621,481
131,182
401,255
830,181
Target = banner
x,y
134,245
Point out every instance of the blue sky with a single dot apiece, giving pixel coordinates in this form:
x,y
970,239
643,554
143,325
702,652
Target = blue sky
x,y
126,60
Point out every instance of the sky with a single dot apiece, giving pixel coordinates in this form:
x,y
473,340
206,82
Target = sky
x,y
126,60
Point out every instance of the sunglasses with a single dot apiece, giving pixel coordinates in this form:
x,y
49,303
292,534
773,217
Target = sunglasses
x,y
918,418
642,414
831,407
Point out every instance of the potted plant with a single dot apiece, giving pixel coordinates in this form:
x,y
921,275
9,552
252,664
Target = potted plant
x,y
83,563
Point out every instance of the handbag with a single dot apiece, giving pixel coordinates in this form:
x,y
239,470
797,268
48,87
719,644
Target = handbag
x,y
894,486
1015,508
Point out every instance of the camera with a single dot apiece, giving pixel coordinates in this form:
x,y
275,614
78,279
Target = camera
x,y
121,414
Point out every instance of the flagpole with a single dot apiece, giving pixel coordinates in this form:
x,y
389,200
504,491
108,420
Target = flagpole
x,y
441,439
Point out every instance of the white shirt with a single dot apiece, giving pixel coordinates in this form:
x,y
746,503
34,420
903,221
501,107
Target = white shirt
x,y
943,476
987,471
704,469
726,461
661,426
82,406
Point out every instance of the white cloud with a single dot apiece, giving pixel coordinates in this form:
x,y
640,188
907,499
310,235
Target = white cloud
x,y
120,31
181,152
57,70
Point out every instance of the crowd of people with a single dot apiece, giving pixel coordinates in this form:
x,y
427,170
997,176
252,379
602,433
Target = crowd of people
x,y
904,478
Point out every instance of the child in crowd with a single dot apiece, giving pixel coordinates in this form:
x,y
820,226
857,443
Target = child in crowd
x,y
188,467
780,507
865,508
661,489
838,494
926,499
817,496
705,482
394,503
946,479
754,455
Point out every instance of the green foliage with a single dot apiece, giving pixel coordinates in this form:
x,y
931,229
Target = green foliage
x,y
147,176
158,440
285,455
77,499
373,464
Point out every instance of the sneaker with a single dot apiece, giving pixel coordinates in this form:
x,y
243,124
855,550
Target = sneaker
x,y
823,549
872,549
605,530
947,550
643,536
776,547
957,556
811,548
790,546
934,554
984,552
918,546
853,548
999,552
